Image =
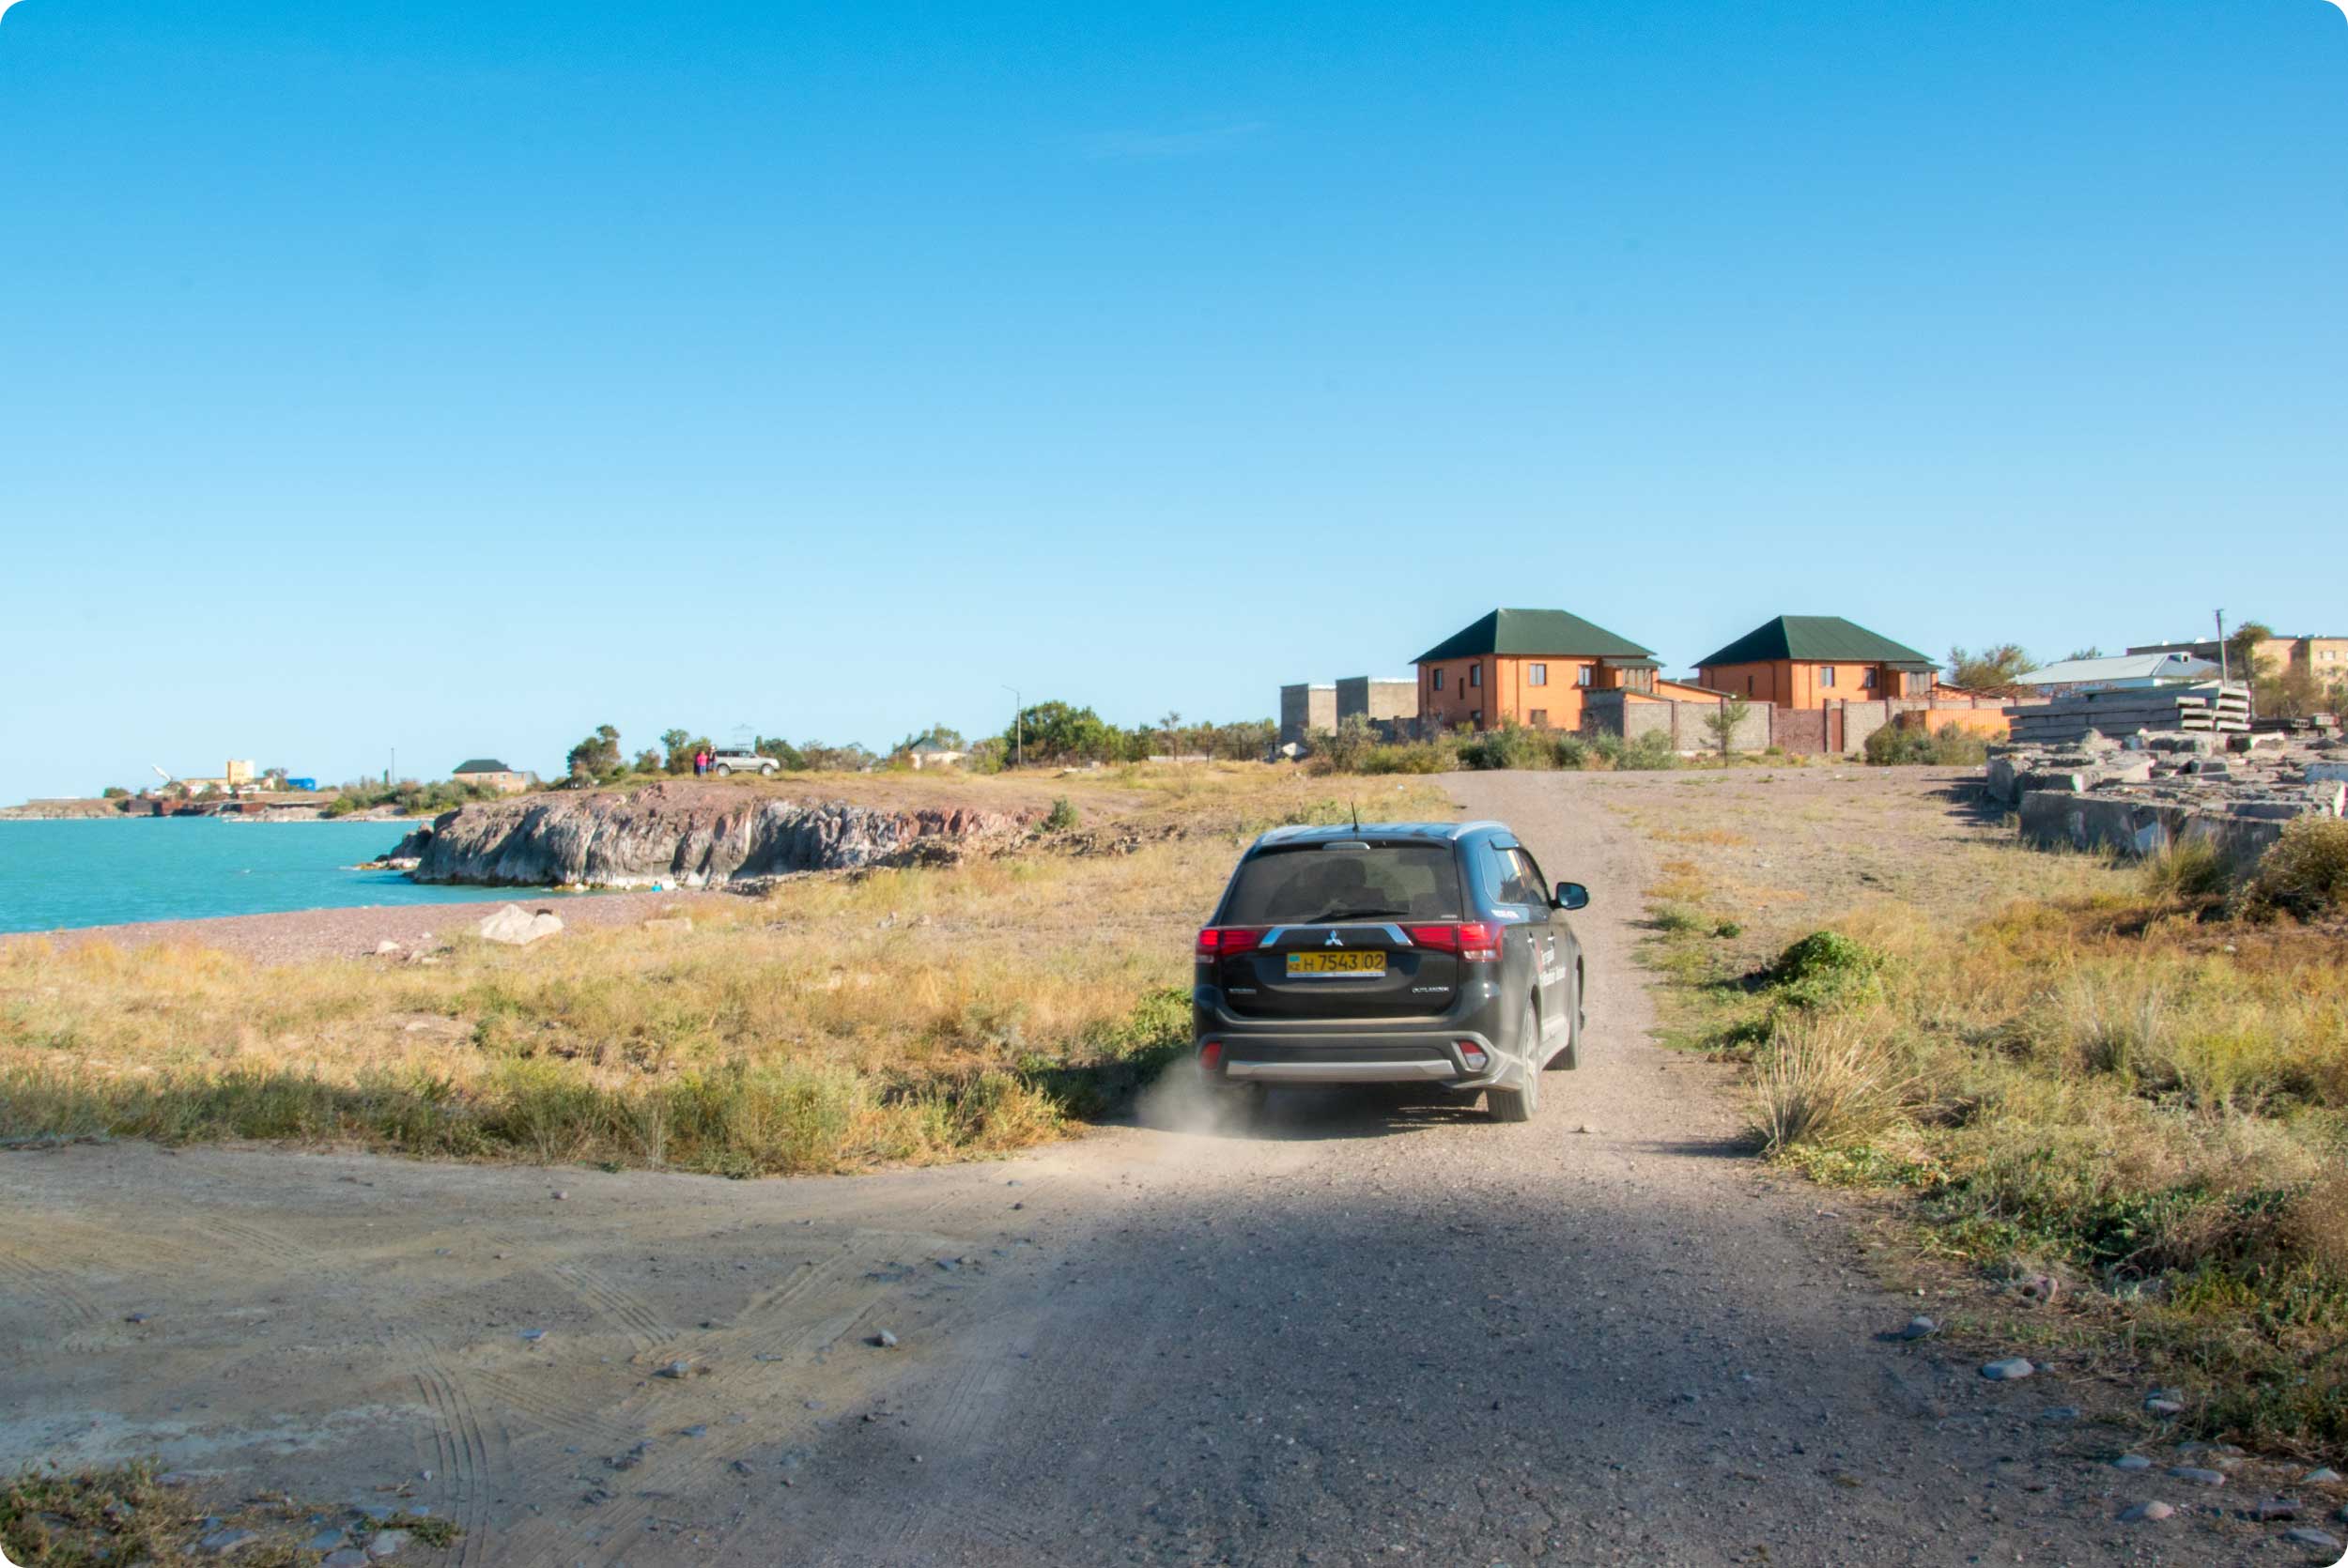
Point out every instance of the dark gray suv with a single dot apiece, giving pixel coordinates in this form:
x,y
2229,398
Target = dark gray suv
x,y
1394,953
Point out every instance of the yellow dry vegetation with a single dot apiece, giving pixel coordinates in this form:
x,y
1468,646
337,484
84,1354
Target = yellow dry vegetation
x,y
904,1015
2112,1077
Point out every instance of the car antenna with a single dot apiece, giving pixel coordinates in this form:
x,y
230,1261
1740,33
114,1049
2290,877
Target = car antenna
x,y
1357,814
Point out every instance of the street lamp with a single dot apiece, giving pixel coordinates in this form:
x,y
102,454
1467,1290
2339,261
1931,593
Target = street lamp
x,y
1018,722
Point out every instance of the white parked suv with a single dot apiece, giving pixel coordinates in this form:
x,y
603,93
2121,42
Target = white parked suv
x,y
725,764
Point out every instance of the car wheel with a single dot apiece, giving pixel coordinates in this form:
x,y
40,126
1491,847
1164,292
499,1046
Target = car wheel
x,y
766,772
1521,1103
722,771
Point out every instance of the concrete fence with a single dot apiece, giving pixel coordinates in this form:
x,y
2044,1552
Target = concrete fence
x,y
1839,729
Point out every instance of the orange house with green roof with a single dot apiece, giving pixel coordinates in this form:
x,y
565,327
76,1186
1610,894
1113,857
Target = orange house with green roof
x,y
1532,668
1809,661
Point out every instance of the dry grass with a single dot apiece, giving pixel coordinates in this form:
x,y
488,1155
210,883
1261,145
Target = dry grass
x,y
125,1514
2102,1077
1826,1083
909,1015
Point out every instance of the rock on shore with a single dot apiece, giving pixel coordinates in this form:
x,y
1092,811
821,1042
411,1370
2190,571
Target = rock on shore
x,y
685,834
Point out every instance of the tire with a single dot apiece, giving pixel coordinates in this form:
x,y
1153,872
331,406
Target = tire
x,y
722,771
766,772
1523,1103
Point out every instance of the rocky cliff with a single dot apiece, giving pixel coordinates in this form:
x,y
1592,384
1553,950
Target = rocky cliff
x,y
683,835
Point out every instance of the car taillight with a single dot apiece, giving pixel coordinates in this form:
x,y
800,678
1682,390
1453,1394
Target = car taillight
x,y
1216,941
1473,1055
1475,941
1211,1055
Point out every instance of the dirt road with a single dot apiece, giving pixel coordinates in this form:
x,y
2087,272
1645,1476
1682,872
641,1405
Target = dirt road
x,y
1379,1329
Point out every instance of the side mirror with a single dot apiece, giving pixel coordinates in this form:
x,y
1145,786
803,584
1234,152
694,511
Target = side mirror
x,y
1570,894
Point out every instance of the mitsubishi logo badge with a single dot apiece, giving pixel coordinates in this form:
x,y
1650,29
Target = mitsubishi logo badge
x,y
1332,940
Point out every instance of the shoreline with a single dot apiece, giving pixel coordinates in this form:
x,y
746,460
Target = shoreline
x,y
352,931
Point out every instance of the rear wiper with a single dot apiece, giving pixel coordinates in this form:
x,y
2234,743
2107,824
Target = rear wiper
x,y
1351,914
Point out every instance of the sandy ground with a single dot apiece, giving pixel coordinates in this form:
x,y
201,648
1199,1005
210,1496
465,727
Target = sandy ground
x,y
1375,1329
296,936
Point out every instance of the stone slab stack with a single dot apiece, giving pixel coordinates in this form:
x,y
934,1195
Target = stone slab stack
x,y
2209,709
2152,793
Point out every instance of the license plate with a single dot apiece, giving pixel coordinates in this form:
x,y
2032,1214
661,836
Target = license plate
x,y
1360,965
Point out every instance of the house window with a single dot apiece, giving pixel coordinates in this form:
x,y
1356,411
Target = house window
x,y
1438,680
1540,718
1582,676
1826,674
1748,686
1538,674
1476,675
1867,677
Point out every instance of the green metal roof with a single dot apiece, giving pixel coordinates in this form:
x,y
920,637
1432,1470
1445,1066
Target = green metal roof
x,y
1533,631
481,764
1815,639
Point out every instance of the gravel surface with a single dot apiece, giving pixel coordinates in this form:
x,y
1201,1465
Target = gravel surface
x,y
1376,1330
298,935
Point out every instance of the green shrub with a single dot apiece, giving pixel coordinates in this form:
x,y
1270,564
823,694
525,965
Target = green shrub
x,y
1570,751
2306,873
1827,969
1410,757
1061,817
1898,745
1511,745
1649,753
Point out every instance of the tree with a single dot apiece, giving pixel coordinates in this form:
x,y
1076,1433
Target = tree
x,y
678,744
115,792
596,757
1055,731
2090,651
2244,662
1170,725
1722,722
1992,670
2293,694
781,751
648,760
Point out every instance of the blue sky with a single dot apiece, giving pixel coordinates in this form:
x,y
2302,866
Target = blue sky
x,y
457,377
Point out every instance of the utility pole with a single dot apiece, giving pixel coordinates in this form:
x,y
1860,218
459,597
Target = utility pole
x,y
1018,725
391,767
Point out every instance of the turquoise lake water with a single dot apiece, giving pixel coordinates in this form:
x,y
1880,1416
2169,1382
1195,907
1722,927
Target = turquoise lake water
x,y
56,874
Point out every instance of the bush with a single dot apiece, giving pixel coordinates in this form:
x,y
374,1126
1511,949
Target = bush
x,y
1899,744
1825,1083
2192,873
1511,745
1827,969
1412,757
1647,754
2306,873
1061,817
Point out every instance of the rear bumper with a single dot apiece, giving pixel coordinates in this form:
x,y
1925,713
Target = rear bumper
x,y
1381,1058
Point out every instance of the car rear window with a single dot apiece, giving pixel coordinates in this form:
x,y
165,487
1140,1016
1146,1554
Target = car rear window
x,y
1312,883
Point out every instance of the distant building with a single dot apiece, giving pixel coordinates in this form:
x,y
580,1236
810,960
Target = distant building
x,y
927,753
2118,672
1808,661
1387,701
2324,657
1528,667
1306,707
490,774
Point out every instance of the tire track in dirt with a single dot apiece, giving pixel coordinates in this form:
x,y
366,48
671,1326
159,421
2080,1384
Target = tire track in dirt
x,y
464,1466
